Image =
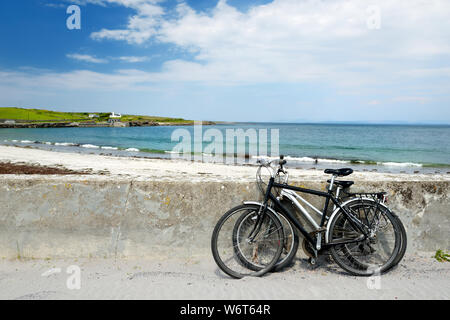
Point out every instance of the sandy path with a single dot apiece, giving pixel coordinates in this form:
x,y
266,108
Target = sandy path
x,y
176,169
417,277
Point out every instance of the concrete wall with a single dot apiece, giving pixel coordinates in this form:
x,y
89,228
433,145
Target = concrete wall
x,y
51,217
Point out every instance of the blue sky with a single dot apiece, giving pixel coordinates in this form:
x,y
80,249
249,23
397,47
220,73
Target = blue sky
x,y
282,60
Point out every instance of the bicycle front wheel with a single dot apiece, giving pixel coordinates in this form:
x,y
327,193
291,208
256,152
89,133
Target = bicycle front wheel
x,y
290,242
374,254
260,241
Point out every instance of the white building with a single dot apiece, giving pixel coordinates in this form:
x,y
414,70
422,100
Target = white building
x,y
115,115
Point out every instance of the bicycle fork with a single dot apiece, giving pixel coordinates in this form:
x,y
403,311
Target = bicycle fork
x,y
261,213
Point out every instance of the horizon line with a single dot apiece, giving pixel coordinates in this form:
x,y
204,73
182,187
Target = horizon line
x,y
341,122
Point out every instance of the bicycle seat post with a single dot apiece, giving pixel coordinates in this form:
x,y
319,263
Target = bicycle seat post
x,y
330,187
338,191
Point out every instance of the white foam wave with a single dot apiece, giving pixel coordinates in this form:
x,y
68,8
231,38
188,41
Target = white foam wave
x,y
109,148
132,150
89,146
63,143
303,159
400,164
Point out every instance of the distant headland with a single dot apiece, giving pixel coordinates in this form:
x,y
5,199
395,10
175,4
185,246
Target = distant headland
x,y
11,117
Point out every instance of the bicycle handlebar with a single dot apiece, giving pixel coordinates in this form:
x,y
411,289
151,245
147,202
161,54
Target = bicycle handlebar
x,y
280,162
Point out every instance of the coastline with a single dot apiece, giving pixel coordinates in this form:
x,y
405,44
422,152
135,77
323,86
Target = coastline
x,y
371,148
93,124
306,163
166,168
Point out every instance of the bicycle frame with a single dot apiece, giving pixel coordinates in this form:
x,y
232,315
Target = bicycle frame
x,y
294,197
292,219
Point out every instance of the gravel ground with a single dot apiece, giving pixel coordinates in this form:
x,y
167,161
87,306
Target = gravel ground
x,y
416,277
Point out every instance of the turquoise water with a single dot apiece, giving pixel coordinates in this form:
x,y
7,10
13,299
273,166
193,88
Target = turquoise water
x,y
382,145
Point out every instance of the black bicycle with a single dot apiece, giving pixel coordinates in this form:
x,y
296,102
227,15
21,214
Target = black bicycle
x,y
356,202
363,237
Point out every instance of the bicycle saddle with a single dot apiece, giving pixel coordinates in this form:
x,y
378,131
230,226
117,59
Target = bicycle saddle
x,y
344,184
339,172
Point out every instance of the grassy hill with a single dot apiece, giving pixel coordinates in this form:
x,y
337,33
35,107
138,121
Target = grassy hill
x,y
40,115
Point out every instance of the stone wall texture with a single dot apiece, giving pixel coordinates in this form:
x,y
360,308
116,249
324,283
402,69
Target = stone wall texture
x,y
62,217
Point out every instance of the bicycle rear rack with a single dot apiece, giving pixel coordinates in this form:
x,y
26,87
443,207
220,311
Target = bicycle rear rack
x,y
379,197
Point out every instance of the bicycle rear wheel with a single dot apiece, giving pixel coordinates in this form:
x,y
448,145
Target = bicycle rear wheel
x,y
404,243
231,253
376,253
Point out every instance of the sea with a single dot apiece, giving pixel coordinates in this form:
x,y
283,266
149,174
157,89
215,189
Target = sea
x,y
365,147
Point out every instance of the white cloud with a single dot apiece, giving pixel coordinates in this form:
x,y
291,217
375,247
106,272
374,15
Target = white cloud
x,y
291,40
92,59
79,79
86,58
428,72
56,5
132,59
141,26
286,41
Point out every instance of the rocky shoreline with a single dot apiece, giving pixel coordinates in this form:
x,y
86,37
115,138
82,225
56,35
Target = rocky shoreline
x,y
98,124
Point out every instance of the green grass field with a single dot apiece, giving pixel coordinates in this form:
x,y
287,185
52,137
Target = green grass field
x,y
55,116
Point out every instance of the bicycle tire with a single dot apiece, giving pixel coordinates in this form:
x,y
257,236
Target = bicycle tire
x,y
404,243
287,259
404,238
290,245
348,260
241,269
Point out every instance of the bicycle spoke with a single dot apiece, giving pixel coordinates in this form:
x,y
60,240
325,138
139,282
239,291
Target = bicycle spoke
x,y
372,253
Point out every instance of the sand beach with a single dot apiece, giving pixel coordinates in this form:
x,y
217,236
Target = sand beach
x,y
158,247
